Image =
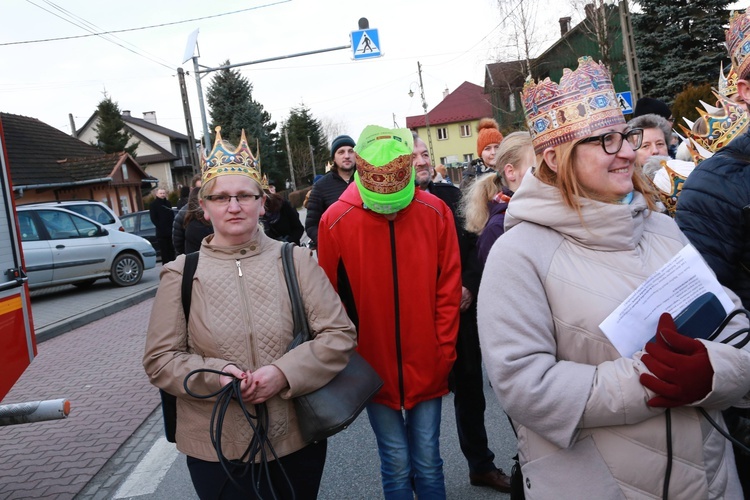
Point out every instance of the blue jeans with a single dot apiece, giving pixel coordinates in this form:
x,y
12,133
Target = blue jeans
x,y
409,449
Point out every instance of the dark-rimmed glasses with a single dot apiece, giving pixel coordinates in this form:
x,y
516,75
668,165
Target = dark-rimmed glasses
x,y
612,141
224,199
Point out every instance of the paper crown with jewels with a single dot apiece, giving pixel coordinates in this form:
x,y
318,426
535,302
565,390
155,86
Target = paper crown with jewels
x,y
738,42
385,176
716,127
728,82
669,180
584,101
225,159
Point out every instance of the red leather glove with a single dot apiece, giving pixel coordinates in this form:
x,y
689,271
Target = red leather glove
x,y
681,364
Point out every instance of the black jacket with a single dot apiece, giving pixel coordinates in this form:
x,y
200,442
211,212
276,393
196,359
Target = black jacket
x,y
283,225
471,269
160,211
711,212
178,231
324,193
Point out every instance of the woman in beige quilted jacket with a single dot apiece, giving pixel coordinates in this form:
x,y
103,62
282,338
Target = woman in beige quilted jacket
x,y
240,323
580,238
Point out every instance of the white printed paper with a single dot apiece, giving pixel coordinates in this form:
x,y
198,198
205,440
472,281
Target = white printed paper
x,y
672,288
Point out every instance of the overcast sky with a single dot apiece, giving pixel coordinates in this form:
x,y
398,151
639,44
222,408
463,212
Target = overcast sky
x,y
453,39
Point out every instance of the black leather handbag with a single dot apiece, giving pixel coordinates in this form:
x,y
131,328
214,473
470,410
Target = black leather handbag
x,y
333,407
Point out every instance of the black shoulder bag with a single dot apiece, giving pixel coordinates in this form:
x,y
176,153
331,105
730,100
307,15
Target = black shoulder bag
x,y
333,407
168,401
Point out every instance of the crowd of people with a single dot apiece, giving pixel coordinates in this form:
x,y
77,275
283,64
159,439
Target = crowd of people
x,y
518,271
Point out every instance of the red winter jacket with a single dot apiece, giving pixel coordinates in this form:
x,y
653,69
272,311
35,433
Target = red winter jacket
x,y
400,281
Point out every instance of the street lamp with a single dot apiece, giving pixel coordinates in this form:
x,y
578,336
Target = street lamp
x,y
424,108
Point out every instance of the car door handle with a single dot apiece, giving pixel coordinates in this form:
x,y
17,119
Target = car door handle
x,y
60,247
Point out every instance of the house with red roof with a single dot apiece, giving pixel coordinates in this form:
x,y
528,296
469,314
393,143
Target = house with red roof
x,y
453,125
47,164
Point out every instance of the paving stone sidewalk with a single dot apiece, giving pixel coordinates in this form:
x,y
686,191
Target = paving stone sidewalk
x,y
98,368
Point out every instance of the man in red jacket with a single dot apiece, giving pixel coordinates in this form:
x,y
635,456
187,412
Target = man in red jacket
x,y
392,254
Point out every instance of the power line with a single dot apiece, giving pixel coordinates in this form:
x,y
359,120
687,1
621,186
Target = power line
x,y
90,30
139,28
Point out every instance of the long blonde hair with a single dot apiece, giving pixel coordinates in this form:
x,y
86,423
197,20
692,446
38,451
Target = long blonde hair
x,y
473,205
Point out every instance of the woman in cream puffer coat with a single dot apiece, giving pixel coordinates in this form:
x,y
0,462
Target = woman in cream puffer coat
x,y
580,238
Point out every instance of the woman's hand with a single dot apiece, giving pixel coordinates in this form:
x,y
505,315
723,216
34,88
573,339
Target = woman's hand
x,y
258,386
236,373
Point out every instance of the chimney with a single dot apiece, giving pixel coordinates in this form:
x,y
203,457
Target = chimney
x,y
564,25
73,130
445,92
590,10
126,112
150,116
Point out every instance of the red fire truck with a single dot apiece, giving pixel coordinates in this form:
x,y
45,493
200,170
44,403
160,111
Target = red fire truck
x,y
17,341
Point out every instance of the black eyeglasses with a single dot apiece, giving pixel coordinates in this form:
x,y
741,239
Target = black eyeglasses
x,y
224,199
612,141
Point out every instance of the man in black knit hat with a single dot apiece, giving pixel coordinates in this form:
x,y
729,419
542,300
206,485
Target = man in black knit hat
x,y
327,190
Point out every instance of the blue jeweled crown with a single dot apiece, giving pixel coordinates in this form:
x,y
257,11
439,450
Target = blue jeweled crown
x,y
584,101
738,42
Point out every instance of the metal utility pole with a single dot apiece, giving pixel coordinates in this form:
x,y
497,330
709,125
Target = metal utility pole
x,y
426,115
312,156
206,133
289,155
628,46
188,122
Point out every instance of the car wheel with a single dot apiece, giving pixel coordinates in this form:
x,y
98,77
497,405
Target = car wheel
x,y
84,284
127,270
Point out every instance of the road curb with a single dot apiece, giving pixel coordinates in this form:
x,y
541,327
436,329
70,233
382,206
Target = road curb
x,y
53,330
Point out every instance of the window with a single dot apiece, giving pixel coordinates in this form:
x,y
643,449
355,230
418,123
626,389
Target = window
x,y
61,225
465,130
125,204
512,102
468,158
443,160
442,133
124,171
27,226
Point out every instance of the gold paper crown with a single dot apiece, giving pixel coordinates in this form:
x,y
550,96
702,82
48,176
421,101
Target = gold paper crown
x,y
728,83
738,42
388,179
584,101
669,182
716,127
224,160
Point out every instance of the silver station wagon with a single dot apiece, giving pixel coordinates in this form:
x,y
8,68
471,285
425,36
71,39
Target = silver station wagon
x,y
61,247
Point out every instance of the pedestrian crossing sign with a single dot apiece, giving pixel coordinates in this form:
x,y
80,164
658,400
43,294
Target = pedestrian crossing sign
x,y
625,100
365,44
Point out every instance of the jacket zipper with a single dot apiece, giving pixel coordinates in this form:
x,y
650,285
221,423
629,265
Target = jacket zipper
x,y
394,266
243,302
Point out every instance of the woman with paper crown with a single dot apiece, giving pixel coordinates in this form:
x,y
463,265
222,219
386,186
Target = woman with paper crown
x,y
581,236
240,323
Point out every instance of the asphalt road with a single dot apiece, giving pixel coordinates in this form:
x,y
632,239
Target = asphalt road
x,y
352,468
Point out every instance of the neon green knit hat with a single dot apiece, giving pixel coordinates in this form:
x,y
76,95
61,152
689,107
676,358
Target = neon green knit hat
x,y
384,168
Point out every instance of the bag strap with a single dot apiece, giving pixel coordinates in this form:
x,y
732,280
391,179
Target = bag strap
x,y
191,264
301,328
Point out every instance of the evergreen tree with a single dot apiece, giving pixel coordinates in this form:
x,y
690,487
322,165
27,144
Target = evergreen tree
x,y
111,135
300,126
233,108
679,42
